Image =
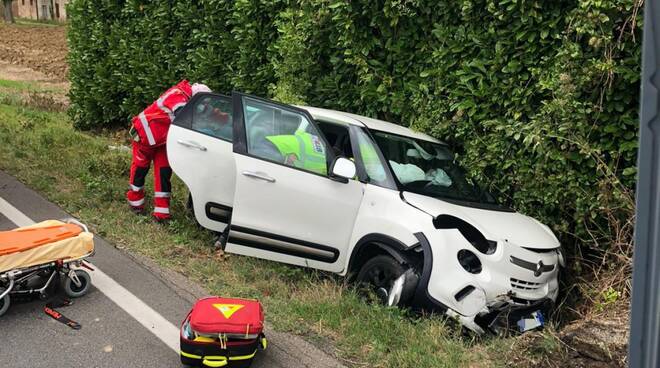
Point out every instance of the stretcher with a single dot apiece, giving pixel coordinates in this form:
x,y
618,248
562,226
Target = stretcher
x,y
35,259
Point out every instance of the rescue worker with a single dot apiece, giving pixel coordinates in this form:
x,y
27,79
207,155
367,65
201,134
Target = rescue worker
x,y
149,132
302,150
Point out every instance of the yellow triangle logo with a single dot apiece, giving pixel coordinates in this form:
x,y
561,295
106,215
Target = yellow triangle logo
x,y
228,310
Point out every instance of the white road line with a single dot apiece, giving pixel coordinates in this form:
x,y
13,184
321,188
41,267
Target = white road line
x,y
14,215
136,308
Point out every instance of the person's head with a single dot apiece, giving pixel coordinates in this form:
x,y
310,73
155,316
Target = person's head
x,y
199,87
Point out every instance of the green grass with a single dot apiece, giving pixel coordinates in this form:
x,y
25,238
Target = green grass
x,y
32,94
25,87
80,173
20,85
35,22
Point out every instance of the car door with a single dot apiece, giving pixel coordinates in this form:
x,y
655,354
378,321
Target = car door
x,y
199,148
282,211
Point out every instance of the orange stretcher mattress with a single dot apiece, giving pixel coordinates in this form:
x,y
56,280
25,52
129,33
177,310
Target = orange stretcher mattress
x,y
43,243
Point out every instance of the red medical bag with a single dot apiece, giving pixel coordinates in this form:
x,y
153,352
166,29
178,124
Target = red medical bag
x,y
222,332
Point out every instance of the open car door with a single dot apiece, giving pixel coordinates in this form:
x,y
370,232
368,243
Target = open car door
x,y
199,148
286,210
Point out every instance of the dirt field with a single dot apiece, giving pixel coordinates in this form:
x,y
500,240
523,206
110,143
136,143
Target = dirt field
x,y
39,47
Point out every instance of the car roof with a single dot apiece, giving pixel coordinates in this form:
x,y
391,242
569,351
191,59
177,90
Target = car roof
x,y
346,118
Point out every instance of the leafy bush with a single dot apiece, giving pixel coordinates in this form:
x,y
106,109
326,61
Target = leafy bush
x,y
538,97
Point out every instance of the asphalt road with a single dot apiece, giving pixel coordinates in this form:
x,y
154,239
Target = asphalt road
x,y
111,335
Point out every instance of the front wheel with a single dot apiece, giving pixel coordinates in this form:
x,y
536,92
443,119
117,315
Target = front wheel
x,y
189,205
4,302
76,290
380,274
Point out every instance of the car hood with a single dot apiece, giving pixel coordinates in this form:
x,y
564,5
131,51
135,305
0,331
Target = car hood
x,y
495,225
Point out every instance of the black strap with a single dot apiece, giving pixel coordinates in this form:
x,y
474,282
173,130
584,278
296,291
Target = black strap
x,y
57,303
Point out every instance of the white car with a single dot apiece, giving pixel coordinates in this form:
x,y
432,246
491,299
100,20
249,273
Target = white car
x,y
394,210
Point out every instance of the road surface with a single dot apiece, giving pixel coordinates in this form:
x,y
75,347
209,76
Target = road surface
x,y
130,317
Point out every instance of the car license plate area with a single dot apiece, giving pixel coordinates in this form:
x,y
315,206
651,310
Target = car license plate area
x,y
530,322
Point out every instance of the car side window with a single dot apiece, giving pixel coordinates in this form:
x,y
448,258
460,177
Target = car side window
x,y
283,136
212,115
373,165
338,138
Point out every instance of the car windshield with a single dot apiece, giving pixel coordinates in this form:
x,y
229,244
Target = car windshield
x,y
429,168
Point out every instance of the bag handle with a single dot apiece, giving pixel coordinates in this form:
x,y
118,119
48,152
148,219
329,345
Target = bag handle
x,y
216,362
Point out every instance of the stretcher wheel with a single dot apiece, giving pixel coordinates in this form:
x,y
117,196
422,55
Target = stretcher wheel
x,y
76,291
4,302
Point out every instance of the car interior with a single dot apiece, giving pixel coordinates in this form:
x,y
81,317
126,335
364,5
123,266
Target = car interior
x,y
338,137
264,121
212,115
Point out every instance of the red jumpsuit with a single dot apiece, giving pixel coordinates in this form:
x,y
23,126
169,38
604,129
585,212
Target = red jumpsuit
x,y
152,126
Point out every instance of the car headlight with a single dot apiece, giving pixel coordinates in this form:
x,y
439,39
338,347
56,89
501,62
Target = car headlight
x,y
469,232
562,258
487,247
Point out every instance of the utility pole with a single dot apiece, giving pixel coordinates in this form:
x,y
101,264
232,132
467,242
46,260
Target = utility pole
x,y
644,344
9,17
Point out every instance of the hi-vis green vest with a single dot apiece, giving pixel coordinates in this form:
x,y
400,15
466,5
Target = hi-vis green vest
x,y
308,149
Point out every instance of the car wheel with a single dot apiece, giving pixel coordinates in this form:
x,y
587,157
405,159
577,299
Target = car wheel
x,y
4,302
379,275
191,210
76,291
189,205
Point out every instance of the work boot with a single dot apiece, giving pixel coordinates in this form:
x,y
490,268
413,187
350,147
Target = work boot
x,y
222,239
219,247
137,210
136,200
161,218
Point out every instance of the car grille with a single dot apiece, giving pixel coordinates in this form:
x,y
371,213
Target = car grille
x,y
525,285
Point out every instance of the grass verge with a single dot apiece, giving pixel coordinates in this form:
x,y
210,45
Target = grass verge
x,y
87,176
38,22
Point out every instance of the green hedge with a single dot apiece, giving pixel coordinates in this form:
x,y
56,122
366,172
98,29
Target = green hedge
x,y
540,98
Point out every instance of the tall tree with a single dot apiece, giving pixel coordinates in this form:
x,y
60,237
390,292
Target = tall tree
x,y
9,17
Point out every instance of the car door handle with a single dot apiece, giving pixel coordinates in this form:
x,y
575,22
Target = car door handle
x,y
190,144
259,176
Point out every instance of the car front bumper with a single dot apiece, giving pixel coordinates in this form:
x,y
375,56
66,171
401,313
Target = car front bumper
x,y
505,291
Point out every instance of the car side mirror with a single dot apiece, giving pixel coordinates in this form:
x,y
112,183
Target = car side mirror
x,y
343,168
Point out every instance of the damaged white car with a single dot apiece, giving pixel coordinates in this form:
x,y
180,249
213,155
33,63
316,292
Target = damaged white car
x,y
365,198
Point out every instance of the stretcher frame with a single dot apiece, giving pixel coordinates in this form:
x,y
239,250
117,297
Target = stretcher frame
x,y
17,276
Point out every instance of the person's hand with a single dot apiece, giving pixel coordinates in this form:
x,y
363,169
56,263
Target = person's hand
x,y
291,159
220,116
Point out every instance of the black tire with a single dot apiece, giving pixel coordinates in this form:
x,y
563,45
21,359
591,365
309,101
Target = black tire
x,y
190,211
74,291
4,302
379,274
189,205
